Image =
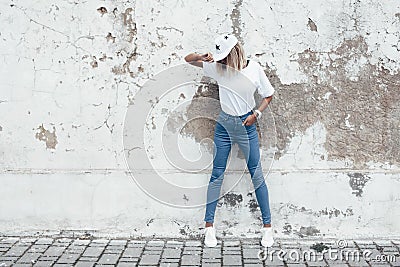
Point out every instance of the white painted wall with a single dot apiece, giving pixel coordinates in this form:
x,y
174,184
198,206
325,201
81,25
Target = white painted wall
x,y
60,71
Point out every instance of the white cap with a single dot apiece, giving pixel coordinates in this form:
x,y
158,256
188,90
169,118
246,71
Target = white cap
x,y
223,45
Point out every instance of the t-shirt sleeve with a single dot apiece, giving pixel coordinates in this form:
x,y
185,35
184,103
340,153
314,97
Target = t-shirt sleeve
x,y
209,69
265,88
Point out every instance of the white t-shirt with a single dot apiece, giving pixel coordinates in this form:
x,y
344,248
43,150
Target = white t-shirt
x,y
236,94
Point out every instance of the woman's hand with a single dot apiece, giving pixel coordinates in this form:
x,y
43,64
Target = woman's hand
x,y
207,57
249,120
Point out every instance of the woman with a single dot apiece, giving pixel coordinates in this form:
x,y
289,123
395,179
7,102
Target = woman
x,y
236,123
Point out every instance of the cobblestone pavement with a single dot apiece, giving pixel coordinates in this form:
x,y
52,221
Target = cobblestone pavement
x,y
69,251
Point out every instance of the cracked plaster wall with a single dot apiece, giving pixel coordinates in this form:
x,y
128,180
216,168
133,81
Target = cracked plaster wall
x,y
71,68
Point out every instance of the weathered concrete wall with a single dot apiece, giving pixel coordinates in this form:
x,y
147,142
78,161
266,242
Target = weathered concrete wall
x,y
331,138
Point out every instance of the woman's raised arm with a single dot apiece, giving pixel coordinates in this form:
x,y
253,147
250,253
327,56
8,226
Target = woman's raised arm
x,y
197,59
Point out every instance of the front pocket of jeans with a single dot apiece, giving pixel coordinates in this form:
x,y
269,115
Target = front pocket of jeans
x,y
250,127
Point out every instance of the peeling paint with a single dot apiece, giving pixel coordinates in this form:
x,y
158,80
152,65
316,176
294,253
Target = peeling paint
x,y
202,130
329,212
102,10
357,182
307,231
110,37
319,247
287,229
297,106
231,199
252,204
236,20
48,137
128,35
311,25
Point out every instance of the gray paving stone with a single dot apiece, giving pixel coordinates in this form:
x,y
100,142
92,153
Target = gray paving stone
x,y
136,243
190,260
336,262
232,243
44,241
316,263
155,243
124,264
29,258
99,242
81,242
232,251
129,260
68,258
84,264
93,251
191,252
169,264
193,243
250,253
63,240
132,252
5,245
174,242
170,259
232,248
210,253
114,249
171,253
10,240
253,261
395,242
48,258
88,259
109,259
118,242
379,264
41,263
167,252
7,262
361,262
387,250
75,249
16,251
38,248
153,248
207,261
28,240
149,259
251,242
232,259
152,252
383,243
253,264
54,251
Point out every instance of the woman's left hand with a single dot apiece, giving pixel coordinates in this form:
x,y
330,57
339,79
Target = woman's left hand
x,y
250,120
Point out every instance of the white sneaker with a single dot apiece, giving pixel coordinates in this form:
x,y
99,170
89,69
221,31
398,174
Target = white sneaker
x,y
267,236
209,237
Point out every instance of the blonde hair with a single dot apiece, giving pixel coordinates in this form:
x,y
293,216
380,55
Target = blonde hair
x,y
233,62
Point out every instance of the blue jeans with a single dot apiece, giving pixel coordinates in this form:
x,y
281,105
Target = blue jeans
x,y
229,130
